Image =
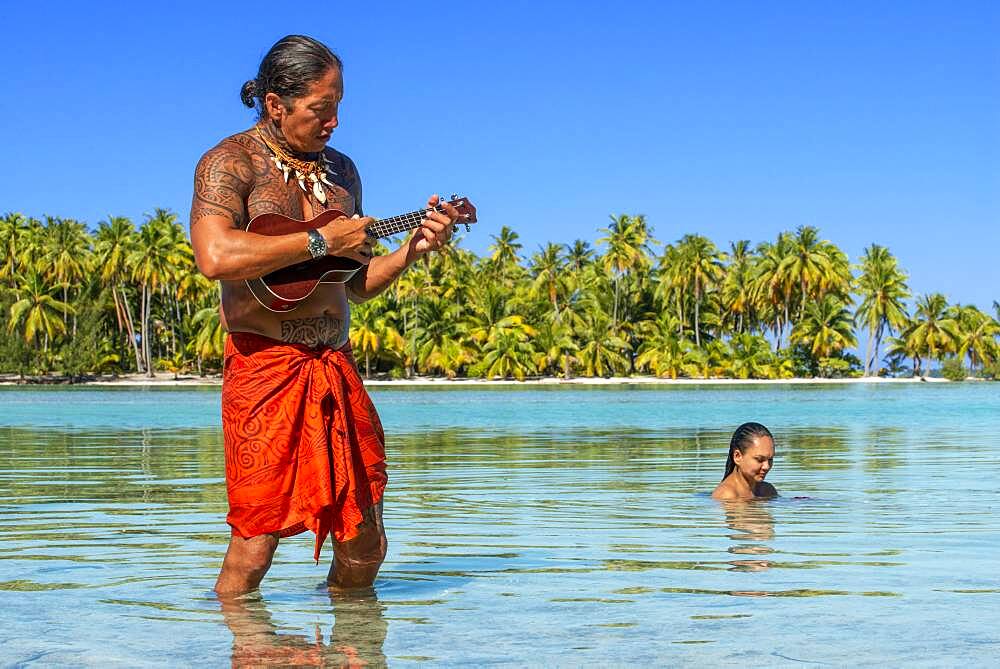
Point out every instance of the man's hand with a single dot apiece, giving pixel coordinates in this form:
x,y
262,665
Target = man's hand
x,y
436,228
348,238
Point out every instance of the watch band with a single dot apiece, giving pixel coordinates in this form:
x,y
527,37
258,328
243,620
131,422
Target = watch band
x,y
317,244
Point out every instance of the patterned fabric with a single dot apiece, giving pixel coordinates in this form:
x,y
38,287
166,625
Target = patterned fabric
x,y
304,446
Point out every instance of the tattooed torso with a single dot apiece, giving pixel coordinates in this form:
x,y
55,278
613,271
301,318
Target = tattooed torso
x,y
237,179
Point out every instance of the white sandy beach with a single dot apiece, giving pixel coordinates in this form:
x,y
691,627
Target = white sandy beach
x,y
167,379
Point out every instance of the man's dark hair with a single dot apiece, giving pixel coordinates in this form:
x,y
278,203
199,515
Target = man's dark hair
x,y
293,64
743,439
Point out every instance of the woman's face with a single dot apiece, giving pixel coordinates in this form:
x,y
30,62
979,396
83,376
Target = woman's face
x,y
756,461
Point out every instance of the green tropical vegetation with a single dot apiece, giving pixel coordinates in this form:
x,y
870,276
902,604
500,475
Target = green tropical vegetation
x,y
123,298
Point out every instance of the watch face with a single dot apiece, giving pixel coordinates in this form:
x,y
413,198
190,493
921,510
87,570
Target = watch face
x,y
317,245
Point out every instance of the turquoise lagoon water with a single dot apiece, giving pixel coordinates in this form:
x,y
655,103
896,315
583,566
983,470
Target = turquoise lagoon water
x,y
527,526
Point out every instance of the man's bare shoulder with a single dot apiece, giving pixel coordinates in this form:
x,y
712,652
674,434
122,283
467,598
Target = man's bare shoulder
x,y
241,147
224,177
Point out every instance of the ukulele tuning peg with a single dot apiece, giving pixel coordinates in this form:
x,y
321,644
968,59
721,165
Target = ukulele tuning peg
x,y
454,197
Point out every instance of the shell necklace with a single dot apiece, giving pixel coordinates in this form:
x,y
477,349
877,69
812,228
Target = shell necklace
x,y
312,171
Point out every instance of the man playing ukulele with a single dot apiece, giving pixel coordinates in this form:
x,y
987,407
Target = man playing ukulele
x,y
304,445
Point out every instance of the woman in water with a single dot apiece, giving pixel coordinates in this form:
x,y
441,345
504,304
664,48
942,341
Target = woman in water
x,y
751,454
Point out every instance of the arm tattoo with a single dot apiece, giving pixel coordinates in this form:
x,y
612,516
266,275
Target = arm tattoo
x,y
316,331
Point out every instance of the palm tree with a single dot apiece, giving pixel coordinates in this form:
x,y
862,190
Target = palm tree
x,y
579,255
372,332
209,340
670,290
772,286
114,245
933,332
14,231
903,347
408,290
66,256
826,328
38,312
503,252
663,351
440,348
629,241
507,350
153,260
750,357
806,265
883,291
557,350
977,336
701,265
549,279
737,292
604,352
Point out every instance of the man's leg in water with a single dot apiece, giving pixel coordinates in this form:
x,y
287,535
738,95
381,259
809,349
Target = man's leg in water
x,y
247,560
356,562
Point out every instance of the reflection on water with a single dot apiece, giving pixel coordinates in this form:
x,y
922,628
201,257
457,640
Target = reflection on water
x,y
356,639
542,528
753,526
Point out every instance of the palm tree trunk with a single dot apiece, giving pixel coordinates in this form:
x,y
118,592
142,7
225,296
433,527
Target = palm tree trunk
x,y
680,315
868,350
878,345
614,318
147,348
118,308
697,313
802,305
411,344
130,325
787,319
177,312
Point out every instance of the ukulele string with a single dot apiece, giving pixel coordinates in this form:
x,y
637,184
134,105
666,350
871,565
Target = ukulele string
x,y
387,227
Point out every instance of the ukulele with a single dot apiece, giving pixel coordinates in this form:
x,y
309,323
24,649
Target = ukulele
x,y
283,289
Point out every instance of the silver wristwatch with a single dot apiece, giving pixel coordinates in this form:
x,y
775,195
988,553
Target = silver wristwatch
x,y
317,244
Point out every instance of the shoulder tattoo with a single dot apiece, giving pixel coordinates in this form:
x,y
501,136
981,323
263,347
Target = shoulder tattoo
x,y
222,182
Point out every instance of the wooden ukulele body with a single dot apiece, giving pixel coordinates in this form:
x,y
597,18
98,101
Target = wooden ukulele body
x,y
283,289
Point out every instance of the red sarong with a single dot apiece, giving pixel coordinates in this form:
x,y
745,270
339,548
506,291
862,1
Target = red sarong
x,y
304,446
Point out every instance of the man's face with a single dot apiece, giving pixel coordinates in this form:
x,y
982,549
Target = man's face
x,y
308,125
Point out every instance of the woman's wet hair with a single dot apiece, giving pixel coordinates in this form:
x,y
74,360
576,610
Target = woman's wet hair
x,y
293,64
743,439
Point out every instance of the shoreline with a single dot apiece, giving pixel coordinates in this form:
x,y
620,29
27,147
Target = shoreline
x,y
167,380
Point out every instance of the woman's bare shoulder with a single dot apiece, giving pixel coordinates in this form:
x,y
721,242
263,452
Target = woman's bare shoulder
x,y
722,491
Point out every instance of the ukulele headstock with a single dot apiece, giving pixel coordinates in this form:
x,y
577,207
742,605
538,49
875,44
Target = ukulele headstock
x,y
466,210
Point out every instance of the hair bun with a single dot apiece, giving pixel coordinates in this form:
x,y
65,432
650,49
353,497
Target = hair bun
x,y
249,92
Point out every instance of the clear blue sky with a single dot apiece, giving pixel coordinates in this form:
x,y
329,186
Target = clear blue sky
x,y
876,122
